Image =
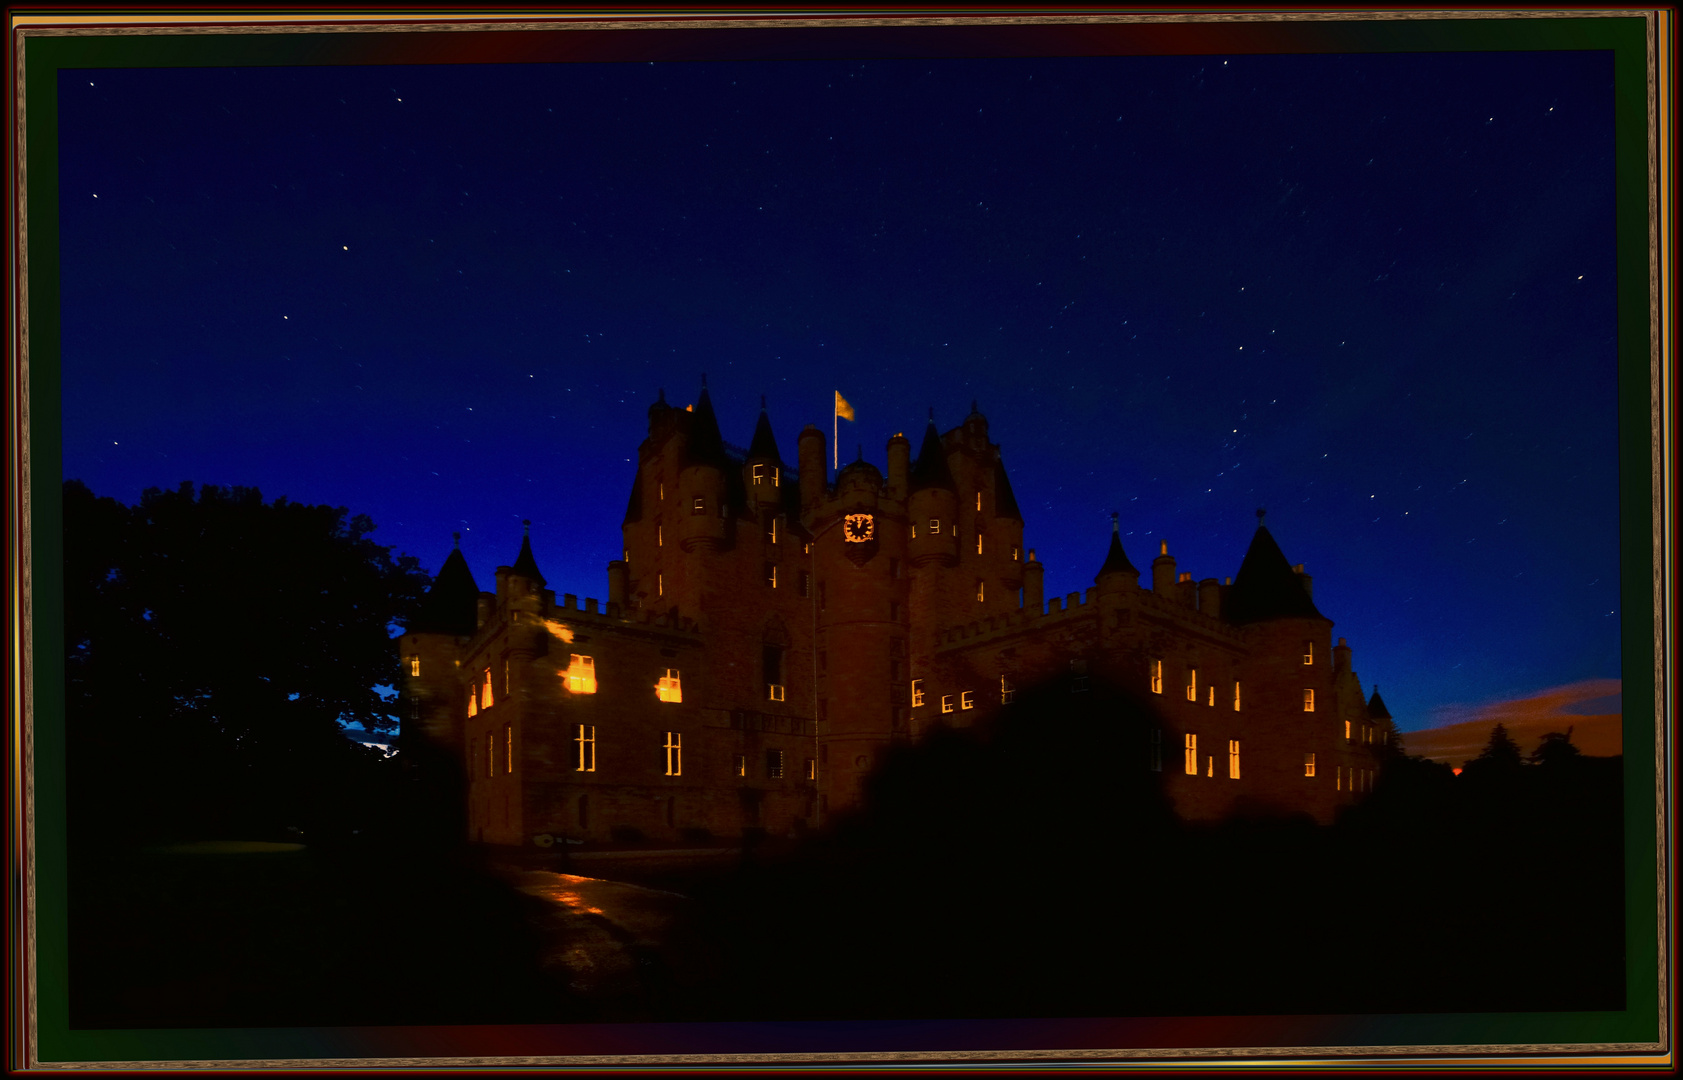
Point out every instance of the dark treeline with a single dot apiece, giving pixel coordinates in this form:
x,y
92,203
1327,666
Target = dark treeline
x,y
1034,869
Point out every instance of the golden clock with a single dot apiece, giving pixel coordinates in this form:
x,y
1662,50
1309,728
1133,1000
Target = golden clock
x,y
858,528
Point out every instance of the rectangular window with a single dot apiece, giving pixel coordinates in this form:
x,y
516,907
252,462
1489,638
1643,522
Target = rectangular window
x,y
742,764
967,699
660,584
414,665
1006,691
508,748
917,693
978,500
774,764
660,537
581,674
1308,764
934,526
946,703
775,692
1157,676
1308,700
1346,729
1235,695
978,543
1338,777
1016,553
698,508
490,755
488,700
584,738
771,530
771,659
1308,652
759,475
674,754
1154,749
980,591
1212,695
771,574
473,701
1192,755
670,687
811,769
1192,685
896,668
660,490
914,530
1233,759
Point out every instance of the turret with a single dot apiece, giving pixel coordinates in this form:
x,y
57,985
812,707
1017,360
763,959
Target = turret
x,y
814,474
762,471
1034,585
701,486
899,465
618,583
932,503
430,735
1163,572
1117,576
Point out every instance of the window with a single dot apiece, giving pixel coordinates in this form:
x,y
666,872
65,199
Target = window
x,y
811,769
1233,759
699,507
771,530
1346,729
670,687
1235,695
1006,691
414,665
967,699
660,489
978,502
774,764
1209,766
771,574
978,543
934,526
772,661
660,537
1192,755
805,581
1308,700
1308,764
1192,685
775,692
980,591
759,475
1156,676
488,701
742,764
473,700
490,755
1016,553
917,693
914,530
896,669
660,584
581,674
1308,652
1338,778
1367,734
946,703
1154,749
508,748
1212,695
674,754
584,738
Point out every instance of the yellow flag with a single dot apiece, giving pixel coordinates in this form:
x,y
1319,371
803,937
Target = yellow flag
x,y
843,409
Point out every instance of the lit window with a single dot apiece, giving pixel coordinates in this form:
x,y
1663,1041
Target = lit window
x,y
1192,685
774,764
914,530
473,701
774,691
811,769
1346,729
978,543
1235,696
771,574
776,475
581,674
1212,695
1338,778
1308,652
414,665
967,699
488,702
660,537
584,738
1016,553
674,754
1233,759
508,747
934,526
1006,691
670,687
917,693
1308,700
1367,734
759,475
946,703
742,764
1154,749
1308,764
1209,765
980,591
698,507
771,531
490,755
1192,755
978,500
661,488
660,584
1157,676
772,660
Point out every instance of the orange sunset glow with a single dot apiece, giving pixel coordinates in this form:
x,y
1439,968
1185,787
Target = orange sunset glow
x,y
1590,708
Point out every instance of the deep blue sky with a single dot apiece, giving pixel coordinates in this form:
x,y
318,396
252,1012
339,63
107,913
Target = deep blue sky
x,y
1373,293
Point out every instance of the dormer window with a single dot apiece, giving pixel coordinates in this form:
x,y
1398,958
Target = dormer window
x,y
581,674
670,687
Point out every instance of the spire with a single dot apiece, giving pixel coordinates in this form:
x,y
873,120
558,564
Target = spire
x,y
1116,560
706,445
763,446
1266,586
930,469
1004,500
1376,709
524,564
451,605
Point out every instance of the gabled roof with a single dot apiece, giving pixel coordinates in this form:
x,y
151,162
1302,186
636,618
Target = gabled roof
x,y
524,564
1376,707
1116,560
1266,587
451,606
1004,500
930,470
705,445
763,447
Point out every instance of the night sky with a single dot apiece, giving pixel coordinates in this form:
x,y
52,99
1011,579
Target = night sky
x,y
1371,293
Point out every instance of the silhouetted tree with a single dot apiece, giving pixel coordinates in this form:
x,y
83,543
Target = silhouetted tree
x,y
216,647
1556,750
1500,759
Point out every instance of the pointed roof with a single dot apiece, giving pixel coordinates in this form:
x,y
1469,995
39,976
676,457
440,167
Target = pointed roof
x,y
634,505
451,605
1116,560
1376,707
764,444
706,446
1004,500
930,470
524,564
1266,587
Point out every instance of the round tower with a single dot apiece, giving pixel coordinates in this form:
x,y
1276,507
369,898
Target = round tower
x,y
1034,585
701,481
1163,572
815,477
899,465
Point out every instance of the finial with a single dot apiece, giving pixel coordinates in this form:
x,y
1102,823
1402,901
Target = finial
x,y
1260,512
931,414
762,403
528,524
1164,550
458,539
1115,523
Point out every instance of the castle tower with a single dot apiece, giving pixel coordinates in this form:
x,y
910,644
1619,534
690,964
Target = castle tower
x,y
431,737
701,481
1118,580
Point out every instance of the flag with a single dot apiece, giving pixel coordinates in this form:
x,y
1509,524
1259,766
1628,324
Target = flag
x,y
843,409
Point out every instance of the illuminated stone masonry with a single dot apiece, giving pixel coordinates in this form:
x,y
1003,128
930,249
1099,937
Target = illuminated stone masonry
x,y
770,632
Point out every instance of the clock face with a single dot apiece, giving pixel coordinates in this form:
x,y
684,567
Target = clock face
x,y
858,528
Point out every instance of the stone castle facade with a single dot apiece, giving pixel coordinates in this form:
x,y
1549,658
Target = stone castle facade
x,y
770,632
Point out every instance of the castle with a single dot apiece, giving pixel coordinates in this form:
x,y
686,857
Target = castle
x,y
770,632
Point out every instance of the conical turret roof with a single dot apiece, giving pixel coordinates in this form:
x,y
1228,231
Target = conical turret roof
x,y
1266,587
451,605
1004,499
634,505
524,564
706,446
1116,560
764,444
930,470
1376,707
